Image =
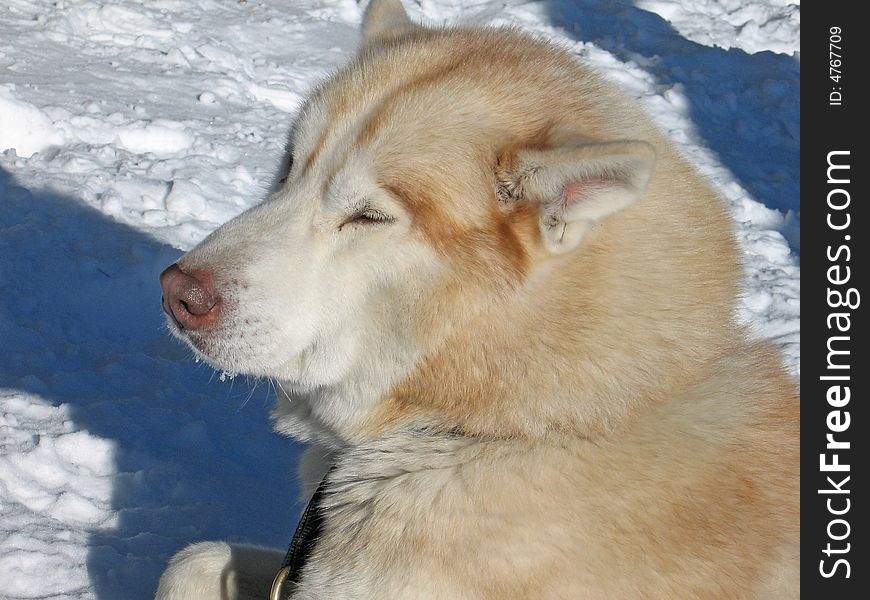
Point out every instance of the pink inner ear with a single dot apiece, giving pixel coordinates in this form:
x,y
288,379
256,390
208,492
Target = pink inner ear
x,y
583,189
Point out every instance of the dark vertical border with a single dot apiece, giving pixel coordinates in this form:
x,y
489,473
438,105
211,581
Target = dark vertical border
x,y
833,261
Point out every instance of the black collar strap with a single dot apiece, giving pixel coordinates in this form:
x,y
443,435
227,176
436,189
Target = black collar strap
x,y
300,548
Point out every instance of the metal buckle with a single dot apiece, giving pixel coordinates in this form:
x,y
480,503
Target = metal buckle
x,y
278,583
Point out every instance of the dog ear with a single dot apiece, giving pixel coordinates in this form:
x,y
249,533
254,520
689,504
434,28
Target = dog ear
x,y
575,186
385,20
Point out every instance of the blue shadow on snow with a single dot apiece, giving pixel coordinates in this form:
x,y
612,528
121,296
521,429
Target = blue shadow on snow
x,y
81,325
752,123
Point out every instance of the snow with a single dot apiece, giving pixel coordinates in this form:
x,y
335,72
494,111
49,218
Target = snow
x,y
129,129
24,127
754,27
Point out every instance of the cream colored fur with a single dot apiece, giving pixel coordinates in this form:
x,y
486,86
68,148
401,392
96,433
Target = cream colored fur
x,y
500,301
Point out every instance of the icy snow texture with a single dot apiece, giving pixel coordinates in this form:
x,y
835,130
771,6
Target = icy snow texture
x,y
24,127
132,128
752,26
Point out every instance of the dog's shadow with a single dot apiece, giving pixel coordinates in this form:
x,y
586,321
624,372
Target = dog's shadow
x,y
81,325
752,123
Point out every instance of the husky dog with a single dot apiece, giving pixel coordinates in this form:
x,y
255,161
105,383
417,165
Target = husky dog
x,y
500,306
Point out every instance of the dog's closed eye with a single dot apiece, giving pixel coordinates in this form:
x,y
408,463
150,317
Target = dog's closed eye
x,y
367,216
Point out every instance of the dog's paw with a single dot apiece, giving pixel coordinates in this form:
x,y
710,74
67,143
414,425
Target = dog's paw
x,y
199,572
219,571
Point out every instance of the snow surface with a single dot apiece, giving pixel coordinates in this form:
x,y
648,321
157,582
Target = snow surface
x,y
129,129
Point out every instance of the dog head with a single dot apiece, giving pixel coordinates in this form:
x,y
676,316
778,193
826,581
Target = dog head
x,y
448,244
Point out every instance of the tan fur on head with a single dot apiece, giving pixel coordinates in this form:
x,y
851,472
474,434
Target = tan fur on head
x,y
504,304
461,176
384,21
